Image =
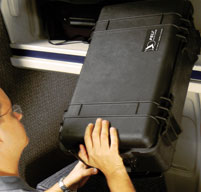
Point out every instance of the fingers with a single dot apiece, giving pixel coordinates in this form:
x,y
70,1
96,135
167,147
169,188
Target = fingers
x,y
80,165
114,139
85,170
90,171
88,136
104,133
96,132
99,136
83,154
83,181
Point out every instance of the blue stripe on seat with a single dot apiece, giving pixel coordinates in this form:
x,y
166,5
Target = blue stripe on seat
x,y
69,58
48,55
196,75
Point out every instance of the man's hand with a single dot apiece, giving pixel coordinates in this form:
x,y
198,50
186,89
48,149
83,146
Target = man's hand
x,y
104,155
100,152
79,176
76,178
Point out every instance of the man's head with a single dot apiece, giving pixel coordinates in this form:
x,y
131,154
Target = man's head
x,y
13,138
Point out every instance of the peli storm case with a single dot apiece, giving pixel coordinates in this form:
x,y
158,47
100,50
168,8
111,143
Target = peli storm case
x,y
136,75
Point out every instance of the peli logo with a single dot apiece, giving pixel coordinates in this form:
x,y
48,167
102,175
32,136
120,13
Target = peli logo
x,y
152,40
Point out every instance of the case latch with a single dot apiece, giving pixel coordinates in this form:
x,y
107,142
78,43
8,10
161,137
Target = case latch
x,y
171,127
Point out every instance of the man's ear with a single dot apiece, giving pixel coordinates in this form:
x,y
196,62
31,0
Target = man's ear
x,y
18,115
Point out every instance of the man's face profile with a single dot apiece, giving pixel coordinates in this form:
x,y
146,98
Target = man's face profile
x,y
12,133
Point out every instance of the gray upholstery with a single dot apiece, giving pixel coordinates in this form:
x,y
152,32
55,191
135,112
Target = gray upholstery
x,y
184,175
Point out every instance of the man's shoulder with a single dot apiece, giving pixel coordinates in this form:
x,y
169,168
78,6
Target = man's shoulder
x,y
14,184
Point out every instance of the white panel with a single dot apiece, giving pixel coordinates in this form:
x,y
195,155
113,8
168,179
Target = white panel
x,y
197,13
197,66
22,21
46,64
194,87
14,7
43,45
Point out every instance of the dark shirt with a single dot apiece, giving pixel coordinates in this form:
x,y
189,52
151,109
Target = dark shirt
x,y
14,184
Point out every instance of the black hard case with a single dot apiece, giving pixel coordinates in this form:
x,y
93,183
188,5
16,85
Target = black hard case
x,y
141,92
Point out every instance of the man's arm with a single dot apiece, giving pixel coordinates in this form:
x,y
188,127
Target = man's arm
x,y
120,181
104,155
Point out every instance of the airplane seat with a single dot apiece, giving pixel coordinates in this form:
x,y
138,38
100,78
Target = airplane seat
x,y
185,172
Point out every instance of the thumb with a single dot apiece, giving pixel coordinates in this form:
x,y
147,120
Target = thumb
x,y
90,171
83,154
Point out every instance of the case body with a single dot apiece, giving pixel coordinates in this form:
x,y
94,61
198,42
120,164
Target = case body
x,y
136,75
